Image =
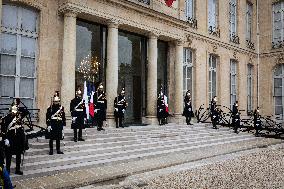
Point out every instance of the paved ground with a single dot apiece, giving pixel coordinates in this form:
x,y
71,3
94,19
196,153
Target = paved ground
x,y
258,168
110,157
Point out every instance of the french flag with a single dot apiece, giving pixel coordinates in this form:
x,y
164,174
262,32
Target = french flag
x,y
169,2
91,105
166,103
86,99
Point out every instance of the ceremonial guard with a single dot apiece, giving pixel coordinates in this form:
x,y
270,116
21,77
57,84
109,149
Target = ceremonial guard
x,y
188,112
214,112
236,117
55,120
120,105
257,121
78,113
100,107
162,112
14,137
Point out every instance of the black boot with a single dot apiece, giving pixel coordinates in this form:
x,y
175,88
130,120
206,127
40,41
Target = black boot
x,y
18,164
50,147
58,147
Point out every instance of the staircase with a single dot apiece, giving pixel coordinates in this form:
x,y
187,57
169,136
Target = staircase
x,y
122,145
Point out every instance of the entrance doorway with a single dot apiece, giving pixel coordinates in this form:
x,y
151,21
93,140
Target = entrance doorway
x,y
131,74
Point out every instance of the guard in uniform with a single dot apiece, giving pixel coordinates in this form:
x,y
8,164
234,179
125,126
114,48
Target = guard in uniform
x,y
236,117
14,137
257,121
120,105
78,113
162,113
214,112
55,120
187,112
100,107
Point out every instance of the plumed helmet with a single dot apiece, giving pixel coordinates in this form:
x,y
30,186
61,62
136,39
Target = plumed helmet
x,y
56,99
78,92
101,86
14,109
122,91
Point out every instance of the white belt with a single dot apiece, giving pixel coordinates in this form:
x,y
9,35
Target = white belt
x,y
79,110
101,101
56,118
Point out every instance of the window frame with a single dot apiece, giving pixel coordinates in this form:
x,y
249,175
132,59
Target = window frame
x,y
250,87
20,34
187,65
215,14
212,69
281,76
233,31
281,18
233,75
249,25
193,9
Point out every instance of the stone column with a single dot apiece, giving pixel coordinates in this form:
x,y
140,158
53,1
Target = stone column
x,y
0,14
151,111
178,81
69,59
111,70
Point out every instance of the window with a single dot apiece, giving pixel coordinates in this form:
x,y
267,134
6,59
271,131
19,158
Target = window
x,y
279,90
212,76
278,23
18,46
189,9
250,88
233,82
249,22
233,17
212,14
187,70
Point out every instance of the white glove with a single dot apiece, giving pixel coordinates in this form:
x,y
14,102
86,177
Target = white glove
x,y
123,110
49,128
74,119
7,143
96,110
116,109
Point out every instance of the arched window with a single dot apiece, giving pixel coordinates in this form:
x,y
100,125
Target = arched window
x,y
278,90
18,54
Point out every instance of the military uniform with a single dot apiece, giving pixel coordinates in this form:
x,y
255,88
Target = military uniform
x,y
257,121
100,108
187,112
78,113
214,113
235,118
14,138
119,109
55,120
162,114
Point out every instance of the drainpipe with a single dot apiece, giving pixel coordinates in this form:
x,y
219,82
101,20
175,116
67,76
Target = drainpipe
x,y
257,38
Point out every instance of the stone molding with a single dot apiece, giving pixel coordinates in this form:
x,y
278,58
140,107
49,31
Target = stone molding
x,y
153,34
33,3
113,23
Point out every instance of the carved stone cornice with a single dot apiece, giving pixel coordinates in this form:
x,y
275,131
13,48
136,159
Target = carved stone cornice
x,y
153,34
113,23
68,10
279,59
179,42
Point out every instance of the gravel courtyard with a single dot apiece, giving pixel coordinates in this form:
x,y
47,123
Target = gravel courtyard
x,y
262,169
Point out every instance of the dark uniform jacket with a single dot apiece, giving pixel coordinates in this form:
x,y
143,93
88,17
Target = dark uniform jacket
x,y
161,108
256,119
78,113
14,132
187,112
100,105
55,117
236,115
214,112
119,106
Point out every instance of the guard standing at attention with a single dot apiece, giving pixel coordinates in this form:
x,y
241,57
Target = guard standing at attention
x,y
188,112
100,106
257,121
214,112
236,117
120,105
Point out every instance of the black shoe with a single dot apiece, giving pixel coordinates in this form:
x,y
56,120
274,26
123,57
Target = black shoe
x,y
18,172
190,124
50,152
59,152
75,139
81,139
102,129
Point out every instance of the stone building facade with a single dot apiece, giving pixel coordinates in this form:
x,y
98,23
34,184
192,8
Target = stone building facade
x,y
212,47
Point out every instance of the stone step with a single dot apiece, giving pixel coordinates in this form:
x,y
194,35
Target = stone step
x,y
90,162
103,155
97,148
121,137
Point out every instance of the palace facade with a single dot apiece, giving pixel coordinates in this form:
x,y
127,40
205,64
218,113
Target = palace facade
x,y
229,48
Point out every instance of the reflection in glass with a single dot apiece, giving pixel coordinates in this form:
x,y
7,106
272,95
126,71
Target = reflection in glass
x,y
90,53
